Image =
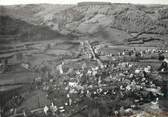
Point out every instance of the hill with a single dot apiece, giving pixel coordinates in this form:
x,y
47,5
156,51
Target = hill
x,y
117,23
21,31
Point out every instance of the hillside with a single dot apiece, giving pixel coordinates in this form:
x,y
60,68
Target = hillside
x,y
117,23
21,31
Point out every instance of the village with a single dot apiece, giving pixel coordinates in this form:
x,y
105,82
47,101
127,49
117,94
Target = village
x,y
96,84
89,59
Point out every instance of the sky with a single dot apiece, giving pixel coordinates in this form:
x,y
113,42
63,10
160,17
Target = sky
x,y
12,2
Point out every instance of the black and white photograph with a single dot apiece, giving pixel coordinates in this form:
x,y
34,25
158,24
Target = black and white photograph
x,y
83,58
